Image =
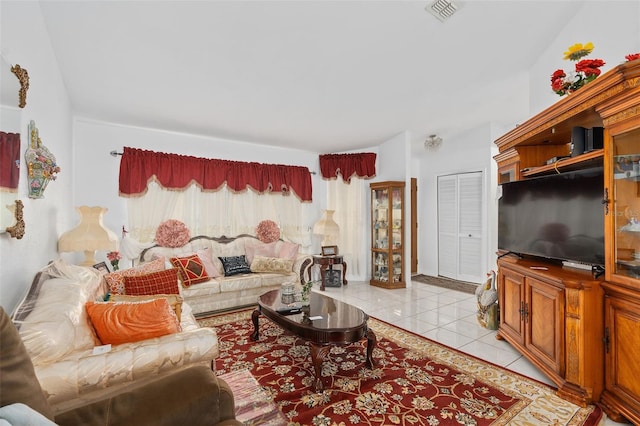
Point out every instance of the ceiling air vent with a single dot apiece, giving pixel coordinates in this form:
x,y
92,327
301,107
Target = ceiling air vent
x,y
442,9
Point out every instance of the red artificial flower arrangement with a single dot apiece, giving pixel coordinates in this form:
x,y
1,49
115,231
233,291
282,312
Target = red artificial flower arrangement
x,y
632,56
114,257
586,70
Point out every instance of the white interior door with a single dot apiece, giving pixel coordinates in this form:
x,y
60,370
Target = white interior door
x,y
460,232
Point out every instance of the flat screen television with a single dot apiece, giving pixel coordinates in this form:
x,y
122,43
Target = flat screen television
x,y
558,216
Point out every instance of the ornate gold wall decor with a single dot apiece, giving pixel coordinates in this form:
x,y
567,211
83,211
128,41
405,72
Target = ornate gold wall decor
x,y
17,230
23,78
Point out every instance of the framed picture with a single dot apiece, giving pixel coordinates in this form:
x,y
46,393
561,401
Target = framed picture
x,y
329,250
102,267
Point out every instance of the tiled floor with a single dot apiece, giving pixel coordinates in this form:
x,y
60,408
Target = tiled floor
x,y
446,316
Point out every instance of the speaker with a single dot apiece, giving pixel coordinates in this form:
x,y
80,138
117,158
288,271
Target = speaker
x,y
578,136
594,140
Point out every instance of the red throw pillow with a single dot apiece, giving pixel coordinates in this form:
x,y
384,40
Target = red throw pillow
x,y
191,269
124,322
115,280
162,282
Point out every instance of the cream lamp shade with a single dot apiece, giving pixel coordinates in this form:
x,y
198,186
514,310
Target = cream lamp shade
x,y
328,228
89,236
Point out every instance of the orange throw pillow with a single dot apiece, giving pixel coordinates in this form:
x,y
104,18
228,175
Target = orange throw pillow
x,y
125,322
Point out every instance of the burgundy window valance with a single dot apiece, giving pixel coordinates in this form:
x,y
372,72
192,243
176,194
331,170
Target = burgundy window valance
x,y
362,164
173,171
9,161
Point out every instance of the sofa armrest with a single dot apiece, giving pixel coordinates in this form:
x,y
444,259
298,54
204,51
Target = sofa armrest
x,y
194,396
83,373
302,267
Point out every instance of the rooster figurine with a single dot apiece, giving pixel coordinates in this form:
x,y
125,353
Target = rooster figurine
x,y
487,295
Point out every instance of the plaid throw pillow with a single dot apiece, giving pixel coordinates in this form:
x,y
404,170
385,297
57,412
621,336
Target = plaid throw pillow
x,y
192,271
162,282
115,280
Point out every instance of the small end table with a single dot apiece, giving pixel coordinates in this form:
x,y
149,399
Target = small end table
x,y
327,262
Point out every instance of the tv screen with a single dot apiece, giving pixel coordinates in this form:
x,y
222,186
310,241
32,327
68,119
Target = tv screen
x,y
559,216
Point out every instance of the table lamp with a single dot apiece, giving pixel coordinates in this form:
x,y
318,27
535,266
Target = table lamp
x,y
89,235
328,228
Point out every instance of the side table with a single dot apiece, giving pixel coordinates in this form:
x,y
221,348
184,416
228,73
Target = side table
x,y
327,262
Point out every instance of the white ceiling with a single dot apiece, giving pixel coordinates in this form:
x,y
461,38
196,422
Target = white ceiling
x,y
325,76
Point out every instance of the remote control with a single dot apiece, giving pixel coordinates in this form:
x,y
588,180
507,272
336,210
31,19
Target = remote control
x,y
288,311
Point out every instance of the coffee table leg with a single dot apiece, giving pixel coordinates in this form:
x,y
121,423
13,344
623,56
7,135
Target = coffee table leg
x,y
318,354
371,344
254,317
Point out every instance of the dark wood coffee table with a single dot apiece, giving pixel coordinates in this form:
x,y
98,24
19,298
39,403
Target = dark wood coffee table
x,y
340,324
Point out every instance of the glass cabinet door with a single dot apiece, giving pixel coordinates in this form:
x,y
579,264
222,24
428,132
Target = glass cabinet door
x,y
387,234
626,204
396,219
380,217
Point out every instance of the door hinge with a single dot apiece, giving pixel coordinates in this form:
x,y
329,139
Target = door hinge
x,y
606,340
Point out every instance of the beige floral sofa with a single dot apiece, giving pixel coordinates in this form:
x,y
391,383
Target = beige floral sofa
x,y
72,365
269,265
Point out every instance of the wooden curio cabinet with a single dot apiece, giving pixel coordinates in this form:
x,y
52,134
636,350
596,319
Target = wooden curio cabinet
x,y
387,234
582,328
621,396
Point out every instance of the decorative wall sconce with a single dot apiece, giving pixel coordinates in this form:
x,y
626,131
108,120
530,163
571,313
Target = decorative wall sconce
x,y
41,163
17,230
23,78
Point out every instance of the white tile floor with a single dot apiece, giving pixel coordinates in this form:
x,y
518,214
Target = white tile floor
x,y
446,316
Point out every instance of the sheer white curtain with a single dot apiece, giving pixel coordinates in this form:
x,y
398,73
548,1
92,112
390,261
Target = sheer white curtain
x,y
218,213
350,204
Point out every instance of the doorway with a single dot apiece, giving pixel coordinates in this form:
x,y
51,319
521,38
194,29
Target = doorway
x,y
461,236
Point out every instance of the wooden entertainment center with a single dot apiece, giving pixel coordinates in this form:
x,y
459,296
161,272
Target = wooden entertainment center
x,y
580,328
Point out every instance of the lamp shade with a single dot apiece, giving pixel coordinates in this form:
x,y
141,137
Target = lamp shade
x,y
328,228
89,235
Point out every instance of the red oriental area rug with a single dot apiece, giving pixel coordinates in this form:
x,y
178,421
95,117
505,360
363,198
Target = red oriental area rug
x,y
415,381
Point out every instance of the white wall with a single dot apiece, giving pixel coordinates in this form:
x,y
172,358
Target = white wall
x,y
24,41
612,26
467,152
392,159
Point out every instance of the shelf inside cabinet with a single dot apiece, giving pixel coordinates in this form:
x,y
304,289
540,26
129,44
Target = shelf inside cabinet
x,y
590,159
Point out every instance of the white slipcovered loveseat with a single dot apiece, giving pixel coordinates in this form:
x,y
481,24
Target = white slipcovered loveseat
x,y
268,262
72,365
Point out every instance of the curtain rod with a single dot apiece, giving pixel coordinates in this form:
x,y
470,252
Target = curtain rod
x,y
115,153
